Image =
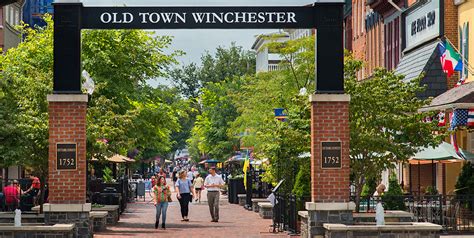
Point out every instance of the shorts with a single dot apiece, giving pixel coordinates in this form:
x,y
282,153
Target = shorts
x,y
197,189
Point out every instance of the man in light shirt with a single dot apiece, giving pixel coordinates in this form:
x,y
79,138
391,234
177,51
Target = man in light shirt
x,y
213,183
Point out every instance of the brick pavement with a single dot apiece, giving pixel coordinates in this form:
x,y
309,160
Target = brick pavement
x,y
139,218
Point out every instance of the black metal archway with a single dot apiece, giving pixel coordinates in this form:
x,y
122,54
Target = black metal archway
x,y
326,16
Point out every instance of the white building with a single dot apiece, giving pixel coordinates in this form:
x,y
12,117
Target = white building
x,y
267,60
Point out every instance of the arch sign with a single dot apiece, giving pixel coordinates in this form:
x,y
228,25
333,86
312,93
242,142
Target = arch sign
x,y
325,15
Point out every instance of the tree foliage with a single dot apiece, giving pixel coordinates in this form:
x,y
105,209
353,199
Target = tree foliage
x,y
385,126
123,113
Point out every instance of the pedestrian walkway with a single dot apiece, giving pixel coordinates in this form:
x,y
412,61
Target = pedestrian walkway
x,y
139,218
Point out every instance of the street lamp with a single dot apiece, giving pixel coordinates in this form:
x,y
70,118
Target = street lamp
x,y
89,84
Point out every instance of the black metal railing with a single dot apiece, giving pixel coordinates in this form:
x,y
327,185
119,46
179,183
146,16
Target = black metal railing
x,y
453,212
285,212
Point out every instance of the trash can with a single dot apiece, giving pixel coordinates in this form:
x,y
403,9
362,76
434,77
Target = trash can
x,y
141,190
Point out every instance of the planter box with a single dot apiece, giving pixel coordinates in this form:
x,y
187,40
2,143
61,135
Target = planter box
x,y
236,186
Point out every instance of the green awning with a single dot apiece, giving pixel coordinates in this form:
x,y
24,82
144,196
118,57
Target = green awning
x,y
443,151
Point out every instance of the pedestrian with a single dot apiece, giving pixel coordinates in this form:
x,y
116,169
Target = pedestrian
x,y
213,183
190,176
198,186
162,172
12,195
34,190
184,189
153,181
161,197
174,176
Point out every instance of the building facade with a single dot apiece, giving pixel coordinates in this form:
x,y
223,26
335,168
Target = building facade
x,y
266,59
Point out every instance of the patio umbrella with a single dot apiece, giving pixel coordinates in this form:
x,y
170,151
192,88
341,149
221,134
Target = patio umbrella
x,y
444,152
119,159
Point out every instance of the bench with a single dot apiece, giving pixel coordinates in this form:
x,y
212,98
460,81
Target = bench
x,y
9,217
37,230
265,210
112,213
255,202
98,220
242,199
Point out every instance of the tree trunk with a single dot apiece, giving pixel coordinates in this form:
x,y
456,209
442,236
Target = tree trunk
x,y
358,190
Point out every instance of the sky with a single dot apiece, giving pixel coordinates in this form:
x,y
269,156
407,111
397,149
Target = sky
x,y
197,42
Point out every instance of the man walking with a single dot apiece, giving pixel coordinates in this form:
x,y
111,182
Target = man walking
x,y
213,183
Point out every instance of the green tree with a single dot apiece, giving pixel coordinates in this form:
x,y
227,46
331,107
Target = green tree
x,y
124,112
385,126
281,142
208,88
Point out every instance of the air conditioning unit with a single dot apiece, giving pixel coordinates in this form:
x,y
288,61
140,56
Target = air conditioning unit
x,y
459,2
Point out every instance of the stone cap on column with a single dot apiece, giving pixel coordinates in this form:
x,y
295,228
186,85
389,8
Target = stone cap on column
x,y
330,206
329,98
67,98
48,207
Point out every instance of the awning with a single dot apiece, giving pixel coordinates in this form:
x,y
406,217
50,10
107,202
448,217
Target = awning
x,y
461,97
443,153
413,63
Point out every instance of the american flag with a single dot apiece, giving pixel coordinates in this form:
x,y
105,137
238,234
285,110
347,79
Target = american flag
x,y
460,117
470,118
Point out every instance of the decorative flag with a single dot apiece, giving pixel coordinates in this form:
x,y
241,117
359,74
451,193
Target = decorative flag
x,y
459,118
280,115
450,59
245,169
470,118
441,119
454,142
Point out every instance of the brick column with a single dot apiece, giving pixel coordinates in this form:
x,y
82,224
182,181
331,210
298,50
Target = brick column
x,y
67,187
329,186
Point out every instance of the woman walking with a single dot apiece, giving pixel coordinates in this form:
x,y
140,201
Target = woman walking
x,y
161,197
198,186
185,191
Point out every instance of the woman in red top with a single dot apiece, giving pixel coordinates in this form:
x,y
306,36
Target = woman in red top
x,y
161,197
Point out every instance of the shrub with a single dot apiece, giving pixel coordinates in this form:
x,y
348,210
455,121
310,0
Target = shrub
x,y
465,185
302,187
393,198
107,175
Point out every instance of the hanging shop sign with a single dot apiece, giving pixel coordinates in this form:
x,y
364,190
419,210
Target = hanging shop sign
x,y
331,155
66,156
422,23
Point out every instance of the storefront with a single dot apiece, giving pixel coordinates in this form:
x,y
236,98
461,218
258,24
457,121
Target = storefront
x,y
422,28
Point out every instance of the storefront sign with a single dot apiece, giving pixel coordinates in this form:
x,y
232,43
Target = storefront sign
x,y
422,24
66,155
197,17
331,155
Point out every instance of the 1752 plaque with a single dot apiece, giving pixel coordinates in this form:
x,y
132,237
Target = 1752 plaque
x,y
66,155
331,155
